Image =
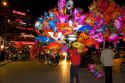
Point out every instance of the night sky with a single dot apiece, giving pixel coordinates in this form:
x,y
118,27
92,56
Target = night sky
x,y
38,7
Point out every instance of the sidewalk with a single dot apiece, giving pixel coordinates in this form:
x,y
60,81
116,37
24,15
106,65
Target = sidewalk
x,y
4,62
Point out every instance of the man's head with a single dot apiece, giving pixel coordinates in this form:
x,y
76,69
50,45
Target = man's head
x,y
108,45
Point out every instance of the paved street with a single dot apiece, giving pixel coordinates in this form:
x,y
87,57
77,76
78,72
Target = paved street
x,y
36,72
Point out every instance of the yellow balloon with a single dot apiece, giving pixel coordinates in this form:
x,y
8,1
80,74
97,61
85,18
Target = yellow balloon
x,y
77,45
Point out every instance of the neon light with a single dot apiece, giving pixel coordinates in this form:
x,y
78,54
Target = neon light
x,y
23,42
18,12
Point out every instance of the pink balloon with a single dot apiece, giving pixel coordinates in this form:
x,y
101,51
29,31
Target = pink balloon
x,y
92,31
98,37
113,37
118,23
64,48
99,22
61,4
91,67
79,18
62,19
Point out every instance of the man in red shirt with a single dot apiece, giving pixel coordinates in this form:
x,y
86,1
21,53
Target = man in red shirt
x,y
75,61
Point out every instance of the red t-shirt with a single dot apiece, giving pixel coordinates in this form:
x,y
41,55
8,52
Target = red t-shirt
x,y
75,57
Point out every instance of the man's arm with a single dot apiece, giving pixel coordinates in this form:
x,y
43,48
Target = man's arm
x,y
101,58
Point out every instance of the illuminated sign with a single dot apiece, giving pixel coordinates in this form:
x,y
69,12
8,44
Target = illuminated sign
x,y
18,12
27,35
23,42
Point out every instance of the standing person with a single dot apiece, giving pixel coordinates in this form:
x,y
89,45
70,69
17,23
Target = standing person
x,y
107,55
75,61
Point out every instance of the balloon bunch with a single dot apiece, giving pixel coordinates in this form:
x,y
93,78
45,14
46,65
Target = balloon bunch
x,y
68,26
95,72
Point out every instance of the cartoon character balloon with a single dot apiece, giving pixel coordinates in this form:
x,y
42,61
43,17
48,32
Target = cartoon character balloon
x,y
62,22
105,21
77,15
38,24
118,23
61,6
69,6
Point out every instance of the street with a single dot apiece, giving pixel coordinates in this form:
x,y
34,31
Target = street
x,y
37,72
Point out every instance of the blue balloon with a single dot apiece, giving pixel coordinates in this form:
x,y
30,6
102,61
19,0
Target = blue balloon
x,y
102,29
52,24
51,40
85,28
44,39
46,15
38,25
51,14
40,19
95,73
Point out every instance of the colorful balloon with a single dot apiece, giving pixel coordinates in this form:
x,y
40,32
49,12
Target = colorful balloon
x,y
52,24
85,28
69,4
38,25
54,46
78,17
62,21
64,48
65,24
98,37
71,38
59,35
114,38
44,39
77,45
83,36
118,23
61,6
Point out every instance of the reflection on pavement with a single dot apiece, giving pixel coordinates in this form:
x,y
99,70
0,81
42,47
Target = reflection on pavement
x,y
65,68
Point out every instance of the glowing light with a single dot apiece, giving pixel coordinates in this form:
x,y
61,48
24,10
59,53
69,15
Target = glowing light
x,y
18,12
64,67
23,42
64,63
123,39
4,3
2,46
65,55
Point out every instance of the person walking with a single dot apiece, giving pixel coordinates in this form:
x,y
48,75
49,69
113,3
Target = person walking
x,y
75,61
107,56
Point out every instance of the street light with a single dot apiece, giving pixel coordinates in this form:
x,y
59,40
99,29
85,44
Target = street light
x,y
4,3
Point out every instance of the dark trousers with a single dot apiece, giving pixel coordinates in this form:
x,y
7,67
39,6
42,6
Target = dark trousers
x,y
74,73
108,74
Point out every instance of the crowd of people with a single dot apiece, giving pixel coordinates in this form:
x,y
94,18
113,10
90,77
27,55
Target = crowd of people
x,y
15,54
47,58
23,54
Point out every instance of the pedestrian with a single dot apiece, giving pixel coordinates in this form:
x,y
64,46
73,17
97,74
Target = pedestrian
x,y
75,61
2,55
107,56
